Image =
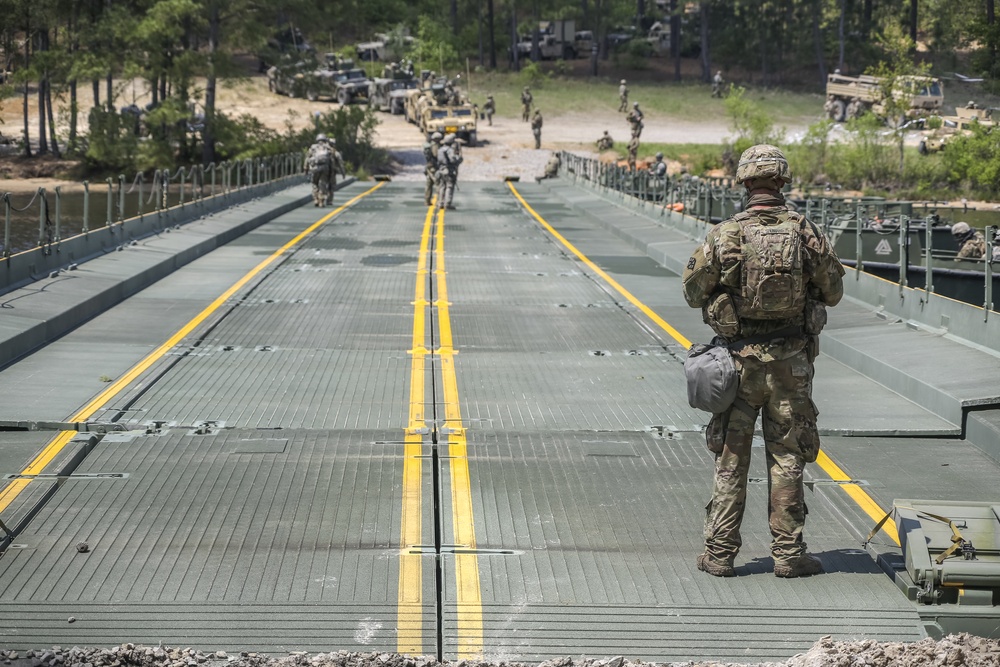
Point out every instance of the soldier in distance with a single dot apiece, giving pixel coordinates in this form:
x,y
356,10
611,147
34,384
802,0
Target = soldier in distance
x,y
971,242
770,322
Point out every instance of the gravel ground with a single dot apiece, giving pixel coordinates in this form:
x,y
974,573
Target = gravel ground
x,y
961,650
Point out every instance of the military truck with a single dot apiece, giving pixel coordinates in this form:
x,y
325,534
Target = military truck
x,y
556,40
390,94
295,79
383,48
852,96
429,109
961,124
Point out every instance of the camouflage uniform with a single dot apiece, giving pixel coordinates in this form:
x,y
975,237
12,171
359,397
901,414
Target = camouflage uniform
x,y
633,152
448,159
717,85
605,142
551,168
431,149
526,100
489,109
622,97
536,127
322,161
776,371
971,242
634,119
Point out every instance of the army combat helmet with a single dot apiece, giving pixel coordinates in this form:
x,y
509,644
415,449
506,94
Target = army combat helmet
x,y
960,229
763,161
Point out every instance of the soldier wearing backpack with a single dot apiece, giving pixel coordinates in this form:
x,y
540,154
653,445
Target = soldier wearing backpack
x,y
763,279
321,164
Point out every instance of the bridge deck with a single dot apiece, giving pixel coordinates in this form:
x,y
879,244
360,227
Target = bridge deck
x,y
433,435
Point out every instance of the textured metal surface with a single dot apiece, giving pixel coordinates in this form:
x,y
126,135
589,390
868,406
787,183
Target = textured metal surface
x,y
593,539
587,473
214,521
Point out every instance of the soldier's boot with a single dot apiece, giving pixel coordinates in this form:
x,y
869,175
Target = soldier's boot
x,y
716,568
803,566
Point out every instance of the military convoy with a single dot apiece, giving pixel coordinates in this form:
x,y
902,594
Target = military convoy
x,y
336,79
437,106
556,40
851,96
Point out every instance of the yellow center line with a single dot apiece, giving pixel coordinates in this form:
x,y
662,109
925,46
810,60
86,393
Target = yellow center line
x,y
14,488
409,613
866,502
469,604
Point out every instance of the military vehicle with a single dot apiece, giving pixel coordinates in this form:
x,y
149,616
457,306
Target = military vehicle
x,y
390,94
961,124
429,109
383,48
296,79
556,40
851,96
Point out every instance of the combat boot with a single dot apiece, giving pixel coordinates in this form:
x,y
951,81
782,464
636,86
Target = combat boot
x,y
714,567
803,566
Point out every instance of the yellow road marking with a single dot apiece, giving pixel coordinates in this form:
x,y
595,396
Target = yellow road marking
x,y
676,335
870,507
409,613
13,489
469,604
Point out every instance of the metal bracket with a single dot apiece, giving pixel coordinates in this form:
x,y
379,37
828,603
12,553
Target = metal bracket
x,y
82,427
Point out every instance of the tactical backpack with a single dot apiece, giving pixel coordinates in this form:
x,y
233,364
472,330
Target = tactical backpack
x,y
319,159
773,284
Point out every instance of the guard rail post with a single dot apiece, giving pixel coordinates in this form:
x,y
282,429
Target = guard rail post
x,y
904,251
858,262
58,191
6,224
988,261
86,207
928,259
42,214
121,201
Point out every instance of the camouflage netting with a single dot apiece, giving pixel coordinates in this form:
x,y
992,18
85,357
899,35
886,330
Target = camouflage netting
x,y
960,650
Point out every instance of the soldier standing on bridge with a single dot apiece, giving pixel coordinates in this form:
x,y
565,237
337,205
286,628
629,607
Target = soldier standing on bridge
x,y
536,127
449,158
321,162
526,101
431,149
622,97
769,314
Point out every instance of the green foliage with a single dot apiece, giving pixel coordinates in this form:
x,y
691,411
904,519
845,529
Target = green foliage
x,y
807,158
434,49
112,145
973,162
750,120
867,161
532,74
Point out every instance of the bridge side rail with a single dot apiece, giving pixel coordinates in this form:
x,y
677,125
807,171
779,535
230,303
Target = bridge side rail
x,y
133,212
691,205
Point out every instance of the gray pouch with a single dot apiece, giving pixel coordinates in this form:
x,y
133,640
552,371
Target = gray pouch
x,y
712,378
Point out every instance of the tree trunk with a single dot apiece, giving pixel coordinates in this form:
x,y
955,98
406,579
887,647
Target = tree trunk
x,y
818,41
913,22
706,60
454,17
990,21
95,86
74,116
479,23
675,39
492,34
208,134
866,19
840,35
43,79
52,120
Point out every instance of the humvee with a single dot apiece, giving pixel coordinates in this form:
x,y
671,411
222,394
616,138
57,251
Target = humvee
x,y
960,124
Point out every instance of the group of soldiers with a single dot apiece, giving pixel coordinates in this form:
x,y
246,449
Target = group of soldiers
x,y
443,155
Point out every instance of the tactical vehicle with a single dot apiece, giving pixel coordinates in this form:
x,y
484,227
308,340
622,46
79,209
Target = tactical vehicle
x,y
851,96
390,94
384,48
298,79
428,107
556,39
286,43
961,124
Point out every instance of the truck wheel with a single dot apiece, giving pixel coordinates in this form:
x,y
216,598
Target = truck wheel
x,y
838,111
312,95
472,139
343,97
395,107
922,148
